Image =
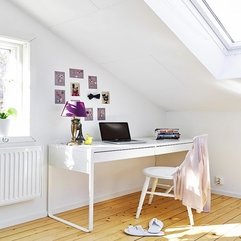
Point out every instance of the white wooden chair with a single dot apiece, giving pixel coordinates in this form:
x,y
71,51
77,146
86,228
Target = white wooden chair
x,y
164,173
196,163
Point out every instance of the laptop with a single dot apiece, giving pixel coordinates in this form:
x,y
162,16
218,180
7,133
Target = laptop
x,y
117,133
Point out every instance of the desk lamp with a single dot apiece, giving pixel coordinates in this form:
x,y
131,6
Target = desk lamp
x,y
75,108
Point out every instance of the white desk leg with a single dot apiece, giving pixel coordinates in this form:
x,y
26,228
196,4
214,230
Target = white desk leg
x,y
91,196
91,205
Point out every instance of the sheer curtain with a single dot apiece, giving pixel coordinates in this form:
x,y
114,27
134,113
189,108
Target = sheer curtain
x,y
4,58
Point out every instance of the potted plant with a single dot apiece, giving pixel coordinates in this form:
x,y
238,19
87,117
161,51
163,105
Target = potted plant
x,y
5,120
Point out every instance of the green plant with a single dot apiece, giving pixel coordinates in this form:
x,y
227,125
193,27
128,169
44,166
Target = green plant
x,y
4,114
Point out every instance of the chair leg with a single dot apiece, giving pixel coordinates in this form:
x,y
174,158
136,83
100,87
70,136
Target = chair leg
x,y
190,215
142,198
153,189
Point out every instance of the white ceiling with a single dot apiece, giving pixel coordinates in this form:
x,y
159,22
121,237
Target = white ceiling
x,y
130,41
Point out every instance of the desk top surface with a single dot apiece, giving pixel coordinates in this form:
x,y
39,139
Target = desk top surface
x,y
99,146
77,158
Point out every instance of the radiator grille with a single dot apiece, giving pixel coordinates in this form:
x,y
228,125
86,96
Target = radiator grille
x,y
20,174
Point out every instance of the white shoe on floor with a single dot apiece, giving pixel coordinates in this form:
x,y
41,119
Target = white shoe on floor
x,y
155,226
139,231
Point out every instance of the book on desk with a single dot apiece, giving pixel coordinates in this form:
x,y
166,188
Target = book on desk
x,y
167,133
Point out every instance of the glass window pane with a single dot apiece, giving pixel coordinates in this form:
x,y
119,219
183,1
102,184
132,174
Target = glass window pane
x,y
14,83
229,14
4,59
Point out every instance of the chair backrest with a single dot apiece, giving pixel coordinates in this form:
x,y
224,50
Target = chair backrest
x,y
192,179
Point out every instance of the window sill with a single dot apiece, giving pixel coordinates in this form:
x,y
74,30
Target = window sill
x,y
16,140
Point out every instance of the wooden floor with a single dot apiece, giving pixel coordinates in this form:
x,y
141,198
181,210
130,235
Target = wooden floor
x,y
112,216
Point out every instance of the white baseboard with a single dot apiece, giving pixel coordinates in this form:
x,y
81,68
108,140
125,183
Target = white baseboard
x,y
96,200
225,193
15,221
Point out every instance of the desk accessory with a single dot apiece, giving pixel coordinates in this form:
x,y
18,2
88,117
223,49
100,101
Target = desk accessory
x,y
88,140
75,108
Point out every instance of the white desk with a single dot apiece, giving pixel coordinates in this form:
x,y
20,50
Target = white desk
x,y
83,158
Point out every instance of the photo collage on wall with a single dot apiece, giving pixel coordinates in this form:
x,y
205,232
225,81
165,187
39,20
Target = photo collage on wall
x,y
76,90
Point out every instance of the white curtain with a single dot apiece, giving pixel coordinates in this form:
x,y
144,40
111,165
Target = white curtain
x,y
4,58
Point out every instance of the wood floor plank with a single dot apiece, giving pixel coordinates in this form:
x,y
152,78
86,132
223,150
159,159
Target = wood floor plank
x,y
50,223
122,220
144,223
182,220
204,222
113,216
228,230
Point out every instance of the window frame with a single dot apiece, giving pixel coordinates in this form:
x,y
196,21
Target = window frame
x,y
22,49
201,8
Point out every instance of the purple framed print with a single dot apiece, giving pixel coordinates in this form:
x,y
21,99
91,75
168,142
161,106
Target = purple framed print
x,y
76,73
59,96
92,80
75,89
59,78
105,97
101,113
89,113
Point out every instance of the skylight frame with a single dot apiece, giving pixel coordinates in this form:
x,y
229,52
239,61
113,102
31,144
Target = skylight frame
x,y
213,22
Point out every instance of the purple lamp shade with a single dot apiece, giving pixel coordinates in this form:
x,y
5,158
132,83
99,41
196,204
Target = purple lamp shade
x,y
74,108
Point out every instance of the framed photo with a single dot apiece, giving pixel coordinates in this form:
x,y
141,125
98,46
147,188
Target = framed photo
x,y
101,113
89,112
59,96
75,89
105,97
92,80
76,73
59,78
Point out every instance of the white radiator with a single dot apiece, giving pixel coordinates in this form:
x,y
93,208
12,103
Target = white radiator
x,y
20,174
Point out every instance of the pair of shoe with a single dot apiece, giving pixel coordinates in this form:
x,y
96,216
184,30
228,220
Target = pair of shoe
x,y
154,229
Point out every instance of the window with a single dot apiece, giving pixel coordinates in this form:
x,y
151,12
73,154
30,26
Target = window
x,y
228,15
14,83
223,17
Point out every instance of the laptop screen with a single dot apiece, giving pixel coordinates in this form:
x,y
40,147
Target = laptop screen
x,y
114,131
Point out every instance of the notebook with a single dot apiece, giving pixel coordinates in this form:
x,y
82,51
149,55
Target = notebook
x,y
117,133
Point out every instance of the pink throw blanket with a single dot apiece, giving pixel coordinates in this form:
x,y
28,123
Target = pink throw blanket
x,y
192,179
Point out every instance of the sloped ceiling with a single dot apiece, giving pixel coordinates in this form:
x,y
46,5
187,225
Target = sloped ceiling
x,y
126,38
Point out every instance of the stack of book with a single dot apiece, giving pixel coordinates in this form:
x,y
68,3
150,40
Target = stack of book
x,y
167,133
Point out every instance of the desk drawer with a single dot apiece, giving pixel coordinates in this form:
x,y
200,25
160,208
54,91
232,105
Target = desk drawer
x,y
173,148
125,153
71,158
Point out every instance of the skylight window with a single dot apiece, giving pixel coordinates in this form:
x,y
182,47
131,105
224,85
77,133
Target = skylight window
x,y
224,18
228,13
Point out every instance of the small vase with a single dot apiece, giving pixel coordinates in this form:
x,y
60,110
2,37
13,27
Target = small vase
x,y
4,127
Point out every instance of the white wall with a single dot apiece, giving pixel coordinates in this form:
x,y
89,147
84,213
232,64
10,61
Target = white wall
x,y
48,54
224,144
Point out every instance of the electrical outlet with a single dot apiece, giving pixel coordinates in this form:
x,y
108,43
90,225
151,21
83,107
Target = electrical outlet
x,y
219,180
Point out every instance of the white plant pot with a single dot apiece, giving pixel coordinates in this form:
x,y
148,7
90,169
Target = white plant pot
x,y
4,127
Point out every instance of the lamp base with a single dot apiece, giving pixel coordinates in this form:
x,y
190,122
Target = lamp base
x,y
73,143
80,138
76,130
